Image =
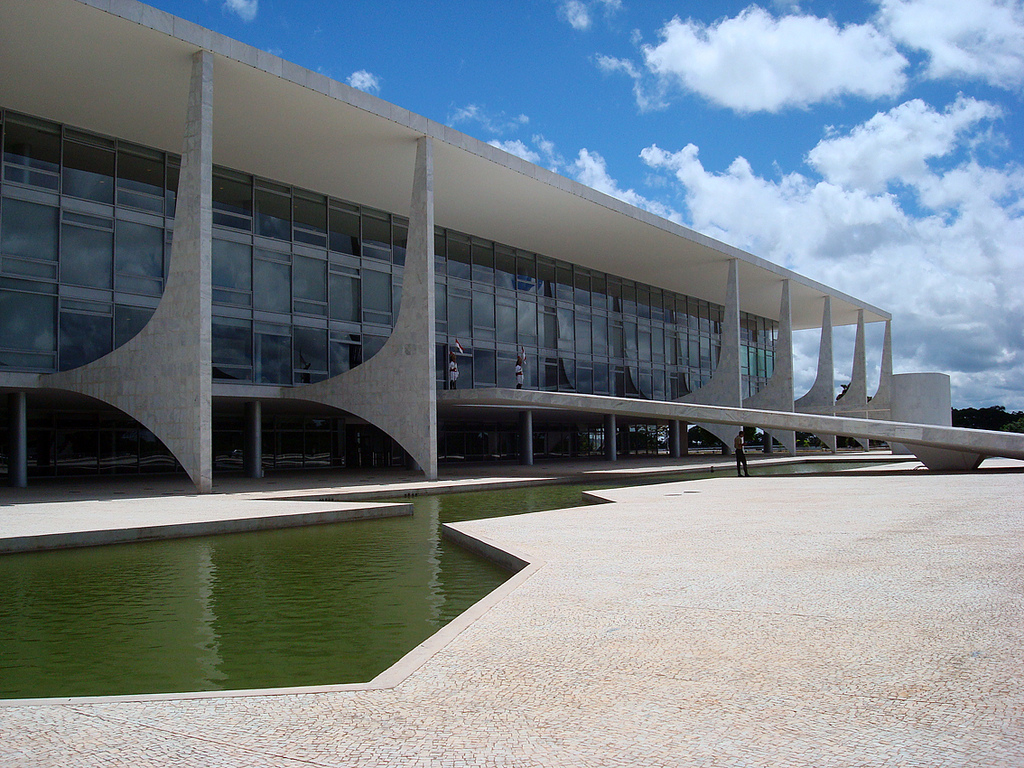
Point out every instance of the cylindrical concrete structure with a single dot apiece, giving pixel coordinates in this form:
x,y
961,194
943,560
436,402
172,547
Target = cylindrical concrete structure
x,y
674,438
17,438
252,453
526,438
610,435
920,398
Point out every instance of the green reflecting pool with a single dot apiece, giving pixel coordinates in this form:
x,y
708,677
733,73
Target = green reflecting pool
x,y
306,606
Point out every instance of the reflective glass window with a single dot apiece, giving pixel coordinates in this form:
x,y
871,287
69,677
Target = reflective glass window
x,y
271,284
460,320
87,251
88,172
31,152
345,355
504,268
28,321
310,218
483,261
138,253
309,278
232,199
583,344
309,347
376,291
526,322
232,272
548,330
546,276
128,321
599,291
483,314
564,282
83,338
399,239
232,348
28,230
459,256
140,179
484,368
505,321
344,231
344,297
526,272
171,191
566,329
272,354
376,234
581,284
599,329
273,213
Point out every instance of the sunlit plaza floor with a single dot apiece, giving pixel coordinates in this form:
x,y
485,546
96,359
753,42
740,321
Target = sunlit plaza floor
x,y
869,619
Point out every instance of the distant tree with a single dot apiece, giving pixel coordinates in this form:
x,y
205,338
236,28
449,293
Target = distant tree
x,y
1015,426
994,418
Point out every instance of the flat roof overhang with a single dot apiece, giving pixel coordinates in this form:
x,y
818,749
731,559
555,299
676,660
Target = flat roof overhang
x,y
121,68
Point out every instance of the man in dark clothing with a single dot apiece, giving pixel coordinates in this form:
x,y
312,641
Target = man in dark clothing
x,y
741,457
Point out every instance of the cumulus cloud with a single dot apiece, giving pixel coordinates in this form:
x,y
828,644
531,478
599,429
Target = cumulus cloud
x,y
246,9
579,14
590,168
496,123
949,270
647,96
982,39
755,62
897,145
364,81
519,149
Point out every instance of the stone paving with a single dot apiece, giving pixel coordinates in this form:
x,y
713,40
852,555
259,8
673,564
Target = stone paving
x,y
863,620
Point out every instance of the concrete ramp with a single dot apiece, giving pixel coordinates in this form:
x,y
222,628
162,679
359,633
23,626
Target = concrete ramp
x,y
951,442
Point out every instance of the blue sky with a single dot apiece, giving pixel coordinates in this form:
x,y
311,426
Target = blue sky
x,y
874,146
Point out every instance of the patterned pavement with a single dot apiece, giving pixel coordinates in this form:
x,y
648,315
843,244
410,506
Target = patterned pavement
x,y
866,620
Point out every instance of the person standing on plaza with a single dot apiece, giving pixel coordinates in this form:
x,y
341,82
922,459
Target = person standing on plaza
x,y
741,457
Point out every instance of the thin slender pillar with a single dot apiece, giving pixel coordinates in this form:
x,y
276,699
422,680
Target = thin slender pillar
x,y
252,453
674,438
610,436
17,436
526,438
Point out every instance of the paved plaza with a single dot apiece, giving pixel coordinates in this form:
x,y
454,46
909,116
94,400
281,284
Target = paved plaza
x,y
871,619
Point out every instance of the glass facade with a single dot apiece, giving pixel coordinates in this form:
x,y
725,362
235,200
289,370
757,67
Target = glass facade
x,y
306,286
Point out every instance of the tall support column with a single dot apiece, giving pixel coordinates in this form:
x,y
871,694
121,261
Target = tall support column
x,y
881,404
252,453
675,439
17,440
162,377
777,394
526,438
726,385
610,435
395,390
820,398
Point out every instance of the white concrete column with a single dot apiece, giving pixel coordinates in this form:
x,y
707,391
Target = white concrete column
x,y
726,384
777,394
610,436
526,438
924,398
252,452
395,390
17,440
820,398
162,377
881,403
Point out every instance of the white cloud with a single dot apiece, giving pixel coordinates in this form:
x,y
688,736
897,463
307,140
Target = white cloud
x,y
897,145
245,8
950,275
755,62
981,39
590,169
576,13
364,81
496,123
519,149
647,97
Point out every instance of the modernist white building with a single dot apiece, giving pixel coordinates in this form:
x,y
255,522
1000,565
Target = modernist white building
x,y
213,258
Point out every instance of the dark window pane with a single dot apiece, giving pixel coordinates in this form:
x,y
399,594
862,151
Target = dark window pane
x,y
273,359
28,230
344,356
271,283
139,172
139,250
483,262
484,368
31,144
88,172
309,278
273,214
311,213
460,316
128,321
458,257
28,322
344,234
310,351
376,291
344,296
504,269
400,241
232,344
505,321
86,256
83,338
376,231
527,322
483,312
232,265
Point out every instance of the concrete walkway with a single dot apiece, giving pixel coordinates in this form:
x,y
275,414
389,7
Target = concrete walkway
x,y
866,620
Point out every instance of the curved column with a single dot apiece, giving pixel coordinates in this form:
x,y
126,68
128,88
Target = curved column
x,y
526,438
855,400
777,394
162,377
395,390
881,404
820,398
726,384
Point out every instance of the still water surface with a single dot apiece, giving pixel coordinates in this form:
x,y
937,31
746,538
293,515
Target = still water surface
x,y
304,606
